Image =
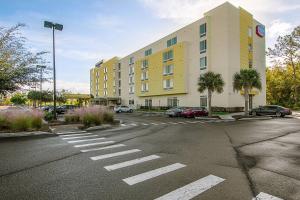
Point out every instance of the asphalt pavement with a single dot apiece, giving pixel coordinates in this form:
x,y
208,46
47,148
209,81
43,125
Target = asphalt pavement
x,y
155,157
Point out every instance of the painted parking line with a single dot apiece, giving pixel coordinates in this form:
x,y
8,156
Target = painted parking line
x,y
154,124
152,174
133,124
265,196
163,123
110,155
131,162
123,125
70,132
73,135
87,140
94,144
79,137
172,123
193,189
145,124
102,148
192,122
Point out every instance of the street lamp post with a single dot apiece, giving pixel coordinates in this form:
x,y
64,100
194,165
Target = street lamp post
x,y
53,26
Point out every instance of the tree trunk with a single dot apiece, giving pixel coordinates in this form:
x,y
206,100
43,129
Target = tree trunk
x,y
209,104
246,101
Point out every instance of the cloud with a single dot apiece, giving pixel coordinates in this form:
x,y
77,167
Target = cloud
x,y
186,11
74,87
278,27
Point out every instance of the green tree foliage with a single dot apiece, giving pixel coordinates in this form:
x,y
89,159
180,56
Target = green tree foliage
x,y
246,80
17,63
18,99
285,55
212,83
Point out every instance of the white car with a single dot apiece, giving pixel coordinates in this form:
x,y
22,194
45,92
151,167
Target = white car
x,y
120,109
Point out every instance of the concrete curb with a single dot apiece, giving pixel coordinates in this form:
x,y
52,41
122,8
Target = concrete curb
x,y
207,118
255,118
25,134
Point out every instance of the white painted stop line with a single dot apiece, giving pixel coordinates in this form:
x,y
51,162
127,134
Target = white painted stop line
x,y
101,157
193,189
94,144
69,132
73,135
78,137
102,148
153,173
131,162
265,196
87,140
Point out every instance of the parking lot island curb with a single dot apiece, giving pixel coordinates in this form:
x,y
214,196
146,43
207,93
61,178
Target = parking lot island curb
x,y
254,118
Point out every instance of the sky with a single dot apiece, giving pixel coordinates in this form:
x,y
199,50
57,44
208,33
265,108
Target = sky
x,y
101,29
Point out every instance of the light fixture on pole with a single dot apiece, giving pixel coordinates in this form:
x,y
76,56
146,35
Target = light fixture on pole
x,y
53,26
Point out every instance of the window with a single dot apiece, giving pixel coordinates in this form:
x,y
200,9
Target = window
x,y
250,63
144,75
172,102
203,101
131,61
105,77
131,70
144,64
131,80
203,46
249,31
119,75
168,55
145,87
148,52
105,69
168,84
119,91
172,42
131,102
119,83
119,66
105,92
131,89
148,102
202,30
168,70
203,63
105,85
250,47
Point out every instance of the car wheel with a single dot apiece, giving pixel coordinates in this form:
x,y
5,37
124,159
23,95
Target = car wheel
x,y
254,113
130,111
278,114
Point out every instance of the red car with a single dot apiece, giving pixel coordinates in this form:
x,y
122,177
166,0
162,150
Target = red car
x,y
194,112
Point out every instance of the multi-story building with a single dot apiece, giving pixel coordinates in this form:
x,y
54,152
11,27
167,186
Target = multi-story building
x,y
166,72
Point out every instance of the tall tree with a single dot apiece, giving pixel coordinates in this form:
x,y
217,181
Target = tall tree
x,y
246,80
17,63
18,99
212,83
286,52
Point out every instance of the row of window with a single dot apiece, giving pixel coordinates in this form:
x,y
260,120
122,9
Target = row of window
x,y
172,42
148,52
167,84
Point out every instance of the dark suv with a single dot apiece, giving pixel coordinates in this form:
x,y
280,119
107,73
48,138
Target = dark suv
x,y
279,111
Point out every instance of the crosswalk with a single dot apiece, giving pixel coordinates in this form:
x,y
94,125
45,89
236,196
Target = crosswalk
x,y
132,124
89,142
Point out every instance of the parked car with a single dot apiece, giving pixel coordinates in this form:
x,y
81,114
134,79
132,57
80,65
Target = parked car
x,y
175,112
46,108
194,112
120,109
279,111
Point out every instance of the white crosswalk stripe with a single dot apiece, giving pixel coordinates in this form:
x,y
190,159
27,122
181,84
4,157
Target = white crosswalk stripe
x,y
87,140
123,125
101,157
131,162
73,135
153,173
70,132
145,124
154,124
173,123
94,144
193,189
265,196
103,148
133,124
162,123
78,137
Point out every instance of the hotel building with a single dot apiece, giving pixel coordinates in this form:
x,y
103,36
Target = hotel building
x,y
165,73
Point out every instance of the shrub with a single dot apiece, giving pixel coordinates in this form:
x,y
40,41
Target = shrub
x,y
21,120
94,115
49,116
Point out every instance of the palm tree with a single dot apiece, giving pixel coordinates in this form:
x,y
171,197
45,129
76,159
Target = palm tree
x,y
212,83
246,80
